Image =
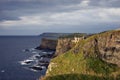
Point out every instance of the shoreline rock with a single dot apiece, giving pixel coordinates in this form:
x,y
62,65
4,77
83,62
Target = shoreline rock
x,y
47,44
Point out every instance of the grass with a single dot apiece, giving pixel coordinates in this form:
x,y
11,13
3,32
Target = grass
x,y
99,66
75,67
80,77
74,35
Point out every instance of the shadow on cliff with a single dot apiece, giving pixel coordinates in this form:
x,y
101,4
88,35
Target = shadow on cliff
x,y
80,77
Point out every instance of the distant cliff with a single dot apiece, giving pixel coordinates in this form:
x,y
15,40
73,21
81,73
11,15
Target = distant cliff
x,y
48,44
53,35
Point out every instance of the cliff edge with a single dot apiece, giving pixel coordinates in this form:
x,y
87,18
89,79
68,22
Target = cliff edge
x,y
67,42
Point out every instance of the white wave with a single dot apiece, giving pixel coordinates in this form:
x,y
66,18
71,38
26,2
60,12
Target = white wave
x,y
44,52
2,71
33,57
32,49
27,68
28,50
34,70
41,58
26,62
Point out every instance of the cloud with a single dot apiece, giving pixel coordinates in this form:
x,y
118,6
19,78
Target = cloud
x,y
74,15
77,17
13,9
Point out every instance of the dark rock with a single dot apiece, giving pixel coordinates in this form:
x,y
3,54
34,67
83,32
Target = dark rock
x,y
38,56
27,50
47,44
28,62
36,68
44,62
47,55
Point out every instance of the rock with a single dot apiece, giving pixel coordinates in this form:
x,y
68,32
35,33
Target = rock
x,y
47,56
105,46
26,50
47,44
51,65
36,68
45,65
66,43
38,57
44,62
63,46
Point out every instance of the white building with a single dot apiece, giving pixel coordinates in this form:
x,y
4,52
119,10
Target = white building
x,y
77,39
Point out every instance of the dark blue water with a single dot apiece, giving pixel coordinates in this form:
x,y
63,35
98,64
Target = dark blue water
x,y
11,53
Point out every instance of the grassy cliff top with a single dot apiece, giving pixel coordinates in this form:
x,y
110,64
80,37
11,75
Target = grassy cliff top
x,y
73,35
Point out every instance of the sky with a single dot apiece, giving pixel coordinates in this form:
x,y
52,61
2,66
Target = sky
x,y
33,17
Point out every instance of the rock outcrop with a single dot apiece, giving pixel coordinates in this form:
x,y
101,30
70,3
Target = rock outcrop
x,y
105,45
63,46
47,44
66,43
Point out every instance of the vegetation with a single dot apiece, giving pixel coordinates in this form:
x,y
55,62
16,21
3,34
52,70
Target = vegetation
x,y
99,66
79,77
73,35
75,67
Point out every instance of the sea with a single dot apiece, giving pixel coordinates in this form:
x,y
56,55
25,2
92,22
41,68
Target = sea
x,y
14,50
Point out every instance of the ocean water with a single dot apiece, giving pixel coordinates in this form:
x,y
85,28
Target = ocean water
x,y
12,51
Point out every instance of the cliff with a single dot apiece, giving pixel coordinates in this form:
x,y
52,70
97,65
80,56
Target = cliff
x,y
94,58
53,35
106,46
63,46
67,42
47,44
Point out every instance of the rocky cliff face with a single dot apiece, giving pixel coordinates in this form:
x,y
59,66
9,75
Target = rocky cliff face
x,y
48,44
105,45
68,42
63,45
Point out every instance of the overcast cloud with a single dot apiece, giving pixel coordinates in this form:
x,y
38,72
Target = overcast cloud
x,y
32,17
